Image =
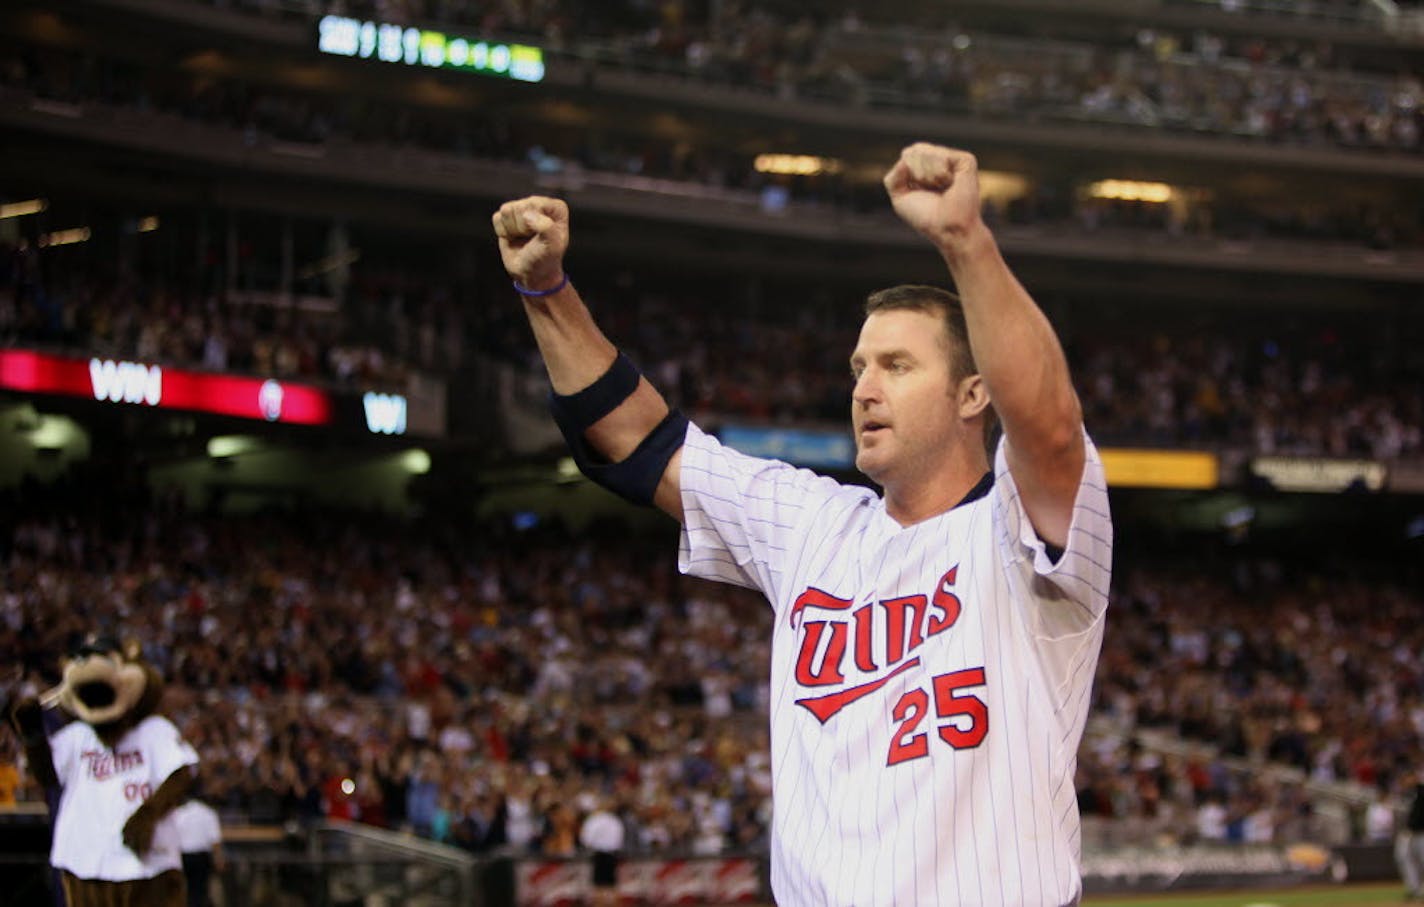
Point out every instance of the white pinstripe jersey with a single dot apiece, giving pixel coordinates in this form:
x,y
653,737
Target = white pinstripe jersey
x,y
929,684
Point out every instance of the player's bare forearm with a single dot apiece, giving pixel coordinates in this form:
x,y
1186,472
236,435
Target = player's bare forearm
x,y
1017,352
1023,366
576,352
936,190
533,237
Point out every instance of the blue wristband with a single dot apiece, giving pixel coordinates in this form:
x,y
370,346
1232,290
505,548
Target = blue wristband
x,y
522,290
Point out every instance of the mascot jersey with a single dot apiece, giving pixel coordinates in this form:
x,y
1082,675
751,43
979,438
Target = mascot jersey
x,y
103,787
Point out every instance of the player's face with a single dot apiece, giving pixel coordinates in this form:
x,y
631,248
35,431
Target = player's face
x,y
902,408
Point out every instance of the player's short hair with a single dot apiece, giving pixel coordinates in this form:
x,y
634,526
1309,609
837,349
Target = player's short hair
x,y
933,300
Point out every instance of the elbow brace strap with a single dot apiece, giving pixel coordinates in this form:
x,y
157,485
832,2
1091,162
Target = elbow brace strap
x,y
636,477
577,411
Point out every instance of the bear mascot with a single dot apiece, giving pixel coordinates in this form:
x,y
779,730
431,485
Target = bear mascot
x,y
120,769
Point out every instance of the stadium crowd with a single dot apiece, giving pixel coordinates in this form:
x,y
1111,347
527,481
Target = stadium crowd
x,y
1282,386
1258,664
378,337
471,689
255,111
485,686
534,15
1290,91
1306,386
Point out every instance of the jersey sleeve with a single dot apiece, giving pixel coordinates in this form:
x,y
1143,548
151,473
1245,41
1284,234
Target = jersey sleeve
x,y
741,514
1070,593
170,751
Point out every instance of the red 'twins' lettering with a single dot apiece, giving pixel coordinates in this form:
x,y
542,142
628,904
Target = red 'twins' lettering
x,y
105,764
909,621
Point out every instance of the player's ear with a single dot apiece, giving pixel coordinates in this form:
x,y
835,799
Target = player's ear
x,y
973,396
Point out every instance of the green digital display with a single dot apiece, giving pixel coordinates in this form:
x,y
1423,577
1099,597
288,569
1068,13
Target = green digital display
x,y
346,37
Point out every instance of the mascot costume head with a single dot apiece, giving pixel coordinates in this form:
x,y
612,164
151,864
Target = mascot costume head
x,y
108,686
120,769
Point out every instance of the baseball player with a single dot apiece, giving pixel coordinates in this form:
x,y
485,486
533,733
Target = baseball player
x,y
934,645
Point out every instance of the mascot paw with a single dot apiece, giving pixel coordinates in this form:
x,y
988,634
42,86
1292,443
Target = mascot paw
x,y
138,830
28,718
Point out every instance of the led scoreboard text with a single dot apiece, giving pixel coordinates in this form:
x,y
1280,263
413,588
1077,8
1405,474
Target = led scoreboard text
x,y
347,37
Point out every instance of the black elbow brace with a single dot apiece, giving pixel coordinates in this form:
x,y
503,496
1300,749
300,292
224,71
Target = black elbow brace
x,y
636,477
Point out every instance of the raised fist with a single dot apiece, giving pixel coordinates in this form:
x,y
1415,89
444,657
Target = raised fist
x,y
936,190
533,237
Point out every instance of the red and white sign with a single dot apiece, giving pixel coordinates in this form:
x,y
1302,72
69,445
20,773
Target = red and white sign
x,y
565,883
141,384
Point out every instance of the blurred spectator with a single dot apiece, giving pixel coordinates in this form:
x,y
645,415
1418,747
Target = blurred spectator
x,y
1379,816
10,779
200,837
601,833
1409,844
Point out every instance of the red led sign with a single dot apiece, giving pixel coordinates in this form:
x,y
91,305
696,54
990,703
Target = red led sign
x,y
140,384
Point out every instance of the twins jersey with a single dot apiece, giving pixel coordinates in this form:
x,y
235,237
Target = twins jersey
x,y
102,787
929,683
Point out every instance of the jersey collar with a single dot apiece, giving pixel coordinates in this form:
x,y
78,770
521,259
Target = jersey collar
x,y
978,491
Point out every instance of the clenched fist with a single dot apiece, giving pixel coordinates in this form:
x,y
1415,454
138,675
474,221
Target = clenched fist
x,y
533,237
936,190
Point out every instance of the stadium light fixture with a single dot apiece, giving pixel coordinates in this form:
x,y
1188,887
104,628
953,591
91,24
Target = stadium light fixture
x,y
65,237
20,209
220,447
1001,186
1131,191
54,433
415,461
567,471
796,164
